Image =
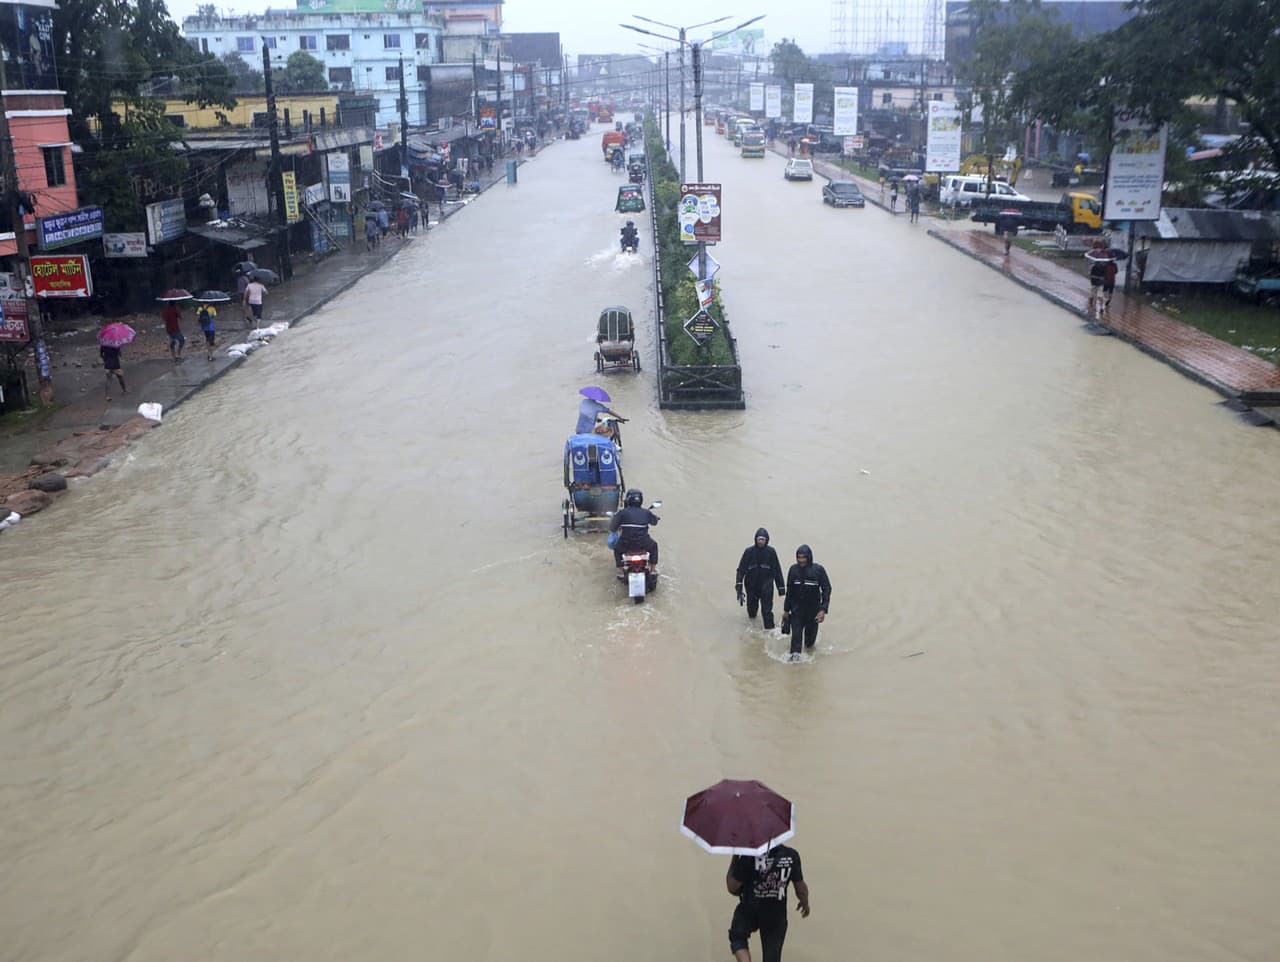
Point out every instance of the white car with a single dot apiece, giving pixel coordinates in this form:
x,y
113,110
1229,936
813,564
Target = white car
x,y
798,168
963,191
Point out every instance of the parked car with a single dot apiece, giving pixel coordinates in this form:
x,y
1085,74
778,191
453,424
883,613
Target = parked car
x,y
963,191
798,168
843,193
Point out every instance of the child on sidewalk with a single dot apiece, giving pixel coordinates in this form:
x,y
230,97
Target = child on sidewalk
x,y
206,315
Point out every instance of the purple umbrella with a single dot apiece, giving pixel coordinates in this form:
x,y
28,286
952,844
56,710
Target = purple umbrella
x,y
596,394
738,818
116,335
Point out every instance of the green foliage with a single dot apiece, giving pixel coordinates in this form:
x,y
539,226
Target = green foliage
x,y
246,79
138,143
791,66
302,73
678,292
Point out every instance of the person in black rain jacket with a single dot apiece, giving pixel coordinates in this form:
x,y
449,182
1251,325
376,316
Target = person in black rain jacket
x,y
758,571
632,524
808,600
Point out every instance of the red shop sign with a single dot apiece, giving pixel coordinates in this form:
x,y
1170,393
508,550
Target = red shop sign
x,y
61,275
13,320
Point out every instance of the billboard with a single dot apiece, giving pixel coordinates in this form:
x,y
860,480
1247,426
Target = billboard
x,y
71,227
845,116
26,33
1135,172
699,213
125,245
13,320
757,98
773,102
166,220
802,109
339,166
942,147
741,43
61,275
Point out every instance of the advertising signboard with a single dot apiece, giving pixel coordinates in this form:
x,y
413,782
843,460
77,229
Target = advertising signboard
x,y
13,320
699,213
166,221
1135,173
773,102
125,245
802,109
61,275
756,102
740,42
72,227
942,147
845,119
339,178
292,210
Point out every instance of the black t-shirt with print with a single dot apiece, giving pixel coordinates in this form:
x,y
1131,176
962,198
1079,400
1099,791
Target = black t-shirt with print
x,y
765,877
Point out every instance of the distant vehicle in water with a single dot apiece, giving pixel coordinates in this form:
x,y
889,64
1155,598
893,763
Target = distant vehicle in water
x,y
843,193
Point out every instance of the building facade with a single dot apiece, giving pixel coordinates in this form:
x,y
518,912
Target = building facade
x,y
363,46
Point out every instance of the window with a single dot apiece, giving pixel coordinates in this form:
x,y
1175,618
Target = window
x,y
269,43
337,41
339,75
393,73
886,99
391,41
422,41
55,173
307,42
259,119
178,120
244,44
424,74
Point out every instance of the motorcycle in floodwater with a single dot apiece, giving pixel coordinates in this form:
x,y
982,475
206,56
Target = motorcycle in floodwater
x,y
630,241
639,572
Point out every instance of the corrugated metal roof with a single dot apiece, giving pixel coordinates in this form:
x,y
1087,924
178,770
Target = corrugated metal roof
x,y
1195,223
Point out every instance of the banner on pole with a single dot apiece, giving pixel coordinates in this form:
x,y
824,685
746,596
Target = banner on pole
x,y
757,97
706,293
802,109
699,213
1135,173
773,102
292,210
942,149
845,119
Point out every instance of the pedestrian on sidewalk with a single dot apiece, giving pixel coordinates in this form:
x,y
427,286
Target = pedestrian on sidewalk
x,y
370,231
384,223
172,315
1109,285
206,315
913,203
1007,227
242,281
254,294
402,222
1097,274
111,364
893,197
791,146
442,193
414,219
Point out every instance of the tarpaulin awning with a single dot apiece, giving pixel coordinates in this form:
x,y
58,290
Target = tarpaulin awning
x,y
326,140
241,238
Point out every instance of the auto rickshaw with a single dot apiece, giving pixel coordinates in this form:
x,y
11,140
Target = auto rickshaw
x,y
635,173
630,199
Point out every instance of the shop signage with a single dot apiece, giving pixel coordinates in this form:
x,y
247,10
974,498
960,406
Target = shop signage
x,y
699,213
313,195
166,221
60,230
942,140
292,212
757,98
1135,175
773,102
701,326
802,104
124,245
339,178
61,275
13,320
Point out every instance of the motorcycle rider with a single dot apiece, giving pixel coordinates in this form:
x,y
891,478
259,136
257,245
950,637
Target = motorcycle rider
x,y
808,598
632,524
758,571
630,237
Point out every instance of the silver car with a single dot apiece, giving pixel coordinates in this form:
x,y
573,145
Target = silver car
x,y
798,168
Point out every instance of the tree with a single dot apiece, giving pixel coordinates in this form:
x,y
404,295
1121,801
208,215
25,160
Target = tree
x,y
136,143
792,66
1012,38
247,80
302,73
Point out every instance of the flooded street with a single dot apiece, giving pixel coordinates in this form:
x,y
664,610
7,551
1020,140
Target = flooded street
x,y
313,674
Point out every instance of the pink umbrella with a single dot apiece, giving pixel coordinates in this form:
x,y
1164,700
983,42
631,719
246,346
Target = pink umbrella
x,y
116,335
738,818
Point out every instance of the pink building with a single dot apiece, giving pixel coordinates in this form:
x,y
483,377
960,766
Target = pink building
x,y
42,153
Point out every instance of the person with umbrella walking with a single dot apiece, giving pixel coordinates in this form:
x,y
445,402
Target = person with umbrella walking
x,y
808,598
750,821
110,339
595,401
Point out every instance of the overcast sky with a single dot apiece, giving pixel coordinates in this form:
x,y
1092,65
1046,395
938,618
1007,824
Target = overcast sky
x,y
589,26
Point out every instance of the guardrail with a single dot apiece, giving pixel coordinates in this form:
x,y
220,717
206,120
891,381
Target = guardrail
x,y
690,387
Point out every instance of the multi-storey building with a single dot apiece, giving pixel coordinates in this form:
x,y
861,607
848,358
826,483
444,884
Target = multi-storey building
x,y
362,45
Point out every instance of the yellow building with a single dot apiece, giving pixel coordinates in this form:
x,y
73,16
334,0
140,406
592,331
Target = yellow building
x,y
251,111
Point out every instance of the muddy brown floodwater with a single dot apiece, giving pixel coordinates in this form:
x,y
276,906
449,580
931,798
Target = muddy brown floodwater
x,y
312,673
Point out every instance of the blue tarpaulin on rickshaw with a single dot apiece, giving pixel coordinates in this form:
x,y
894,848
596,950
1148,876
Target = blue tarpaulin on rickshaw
x,y
591,459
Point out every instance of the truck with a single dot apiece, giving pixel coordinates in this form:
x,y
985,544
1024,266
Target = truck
x,y
1076,212
753,144
612,138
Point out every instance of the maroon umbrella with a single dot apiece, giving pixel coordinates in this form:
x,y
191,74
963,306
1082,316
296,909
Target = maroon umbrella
x,y
738,818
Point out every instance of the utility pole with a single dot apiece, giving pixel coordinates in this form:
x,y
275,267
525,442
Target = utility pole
x,y
666,60
697,119
682,43
475,99
16,200
275,182
498,134
403,104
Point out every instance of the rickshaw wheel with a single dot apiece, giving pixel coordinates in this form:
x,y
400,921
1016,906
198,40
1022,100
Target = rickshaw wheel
x,y
599,363
564,509
635,360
